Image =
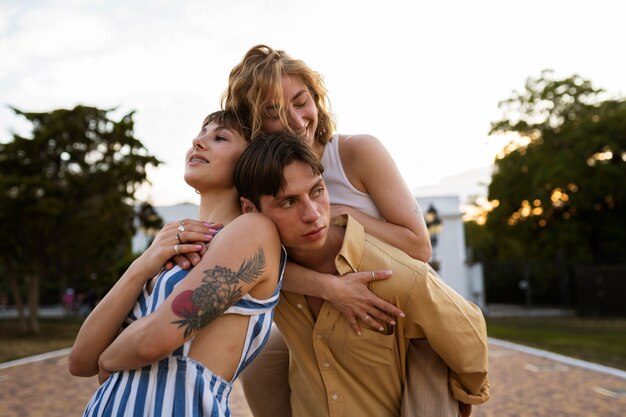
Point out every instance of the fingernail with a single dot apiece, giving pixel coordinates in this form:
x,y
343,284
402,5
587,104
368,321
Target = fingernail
x,y
359,333
402,315
198,246
380,329
212,230
393,323
208,237
387,272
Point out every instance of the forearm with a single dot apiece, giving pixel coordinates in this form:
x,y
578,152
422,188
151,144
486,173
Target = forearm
x,y
135,348
416,244
103,324
305,281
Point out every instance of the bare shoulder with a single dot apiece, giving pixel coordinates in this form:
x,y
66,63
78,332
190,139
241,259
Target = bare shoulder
x,y
363,156
250,239
251,228
352,145
256,220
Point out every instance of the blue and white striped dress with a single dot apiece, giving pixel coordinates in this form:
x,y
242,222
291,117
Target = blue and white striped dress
x,y
178,385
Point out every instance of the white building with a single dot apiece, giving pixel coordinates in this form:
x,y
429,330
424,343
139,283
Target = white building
x,y
449,252
168,214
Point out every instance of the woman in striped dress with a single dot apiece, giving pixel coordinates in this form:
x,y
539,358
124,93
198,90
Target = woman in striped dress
x,y
187,334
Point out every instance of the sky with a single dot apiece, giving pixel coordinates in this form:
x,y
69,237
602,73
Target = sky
x,y
425,78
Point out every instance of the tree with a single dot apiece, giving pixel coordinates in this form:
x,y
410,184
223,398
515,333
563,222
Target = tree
x,y
557,190
66,198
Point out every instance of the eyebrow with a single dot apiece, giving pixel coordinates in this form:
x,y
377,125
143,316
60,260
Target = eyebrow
x,y
217,129
281,196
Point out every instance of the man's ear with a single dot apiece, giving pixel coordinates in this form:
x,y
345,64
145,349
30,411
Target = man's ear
x,y
247,206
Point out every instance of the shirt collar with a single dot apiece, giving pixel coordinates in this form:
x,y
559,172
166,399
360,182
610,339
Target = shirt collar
x,y
351,253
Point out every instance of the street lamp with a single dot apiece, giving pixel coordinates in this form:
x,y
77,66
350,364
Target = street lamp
x,y
434,226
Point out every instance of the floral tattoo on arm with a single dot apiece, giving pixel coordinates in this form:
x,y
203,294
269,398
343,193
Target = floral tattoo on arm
x,y
218,291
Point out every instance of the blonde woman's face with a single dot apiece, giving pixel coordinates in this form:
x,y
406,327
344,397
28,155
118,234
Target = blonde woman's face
x,y
299,107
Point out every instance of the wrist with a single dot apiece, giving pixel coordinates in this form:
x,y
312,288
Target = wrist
x,y
138,273
329,287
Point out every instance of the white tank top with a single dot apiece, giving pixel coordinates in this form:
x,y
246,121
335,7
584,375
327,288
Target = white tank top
x,y
340,190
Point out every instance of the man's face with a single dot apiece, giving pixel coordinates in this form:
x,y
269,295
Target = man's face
x,y
301,210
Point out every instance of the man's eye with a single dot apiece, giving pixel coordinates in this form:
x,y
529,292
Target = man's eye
x,y
287,203
318,191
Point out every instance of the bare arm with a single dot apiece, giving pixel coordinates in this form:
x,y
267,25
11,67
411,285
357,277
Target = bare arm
x,y
371,169
234,265
104,323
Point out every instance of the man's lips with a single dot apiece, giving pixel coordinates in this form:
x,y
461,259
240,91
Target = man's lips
x,y
314,232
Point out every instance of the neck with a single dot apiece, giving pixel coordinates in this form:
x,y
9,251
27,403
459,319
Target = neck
x,y
219,206
322,259
318,149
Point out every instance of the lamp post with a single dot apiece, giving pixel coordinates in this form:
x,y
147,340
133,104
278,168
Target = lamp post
x,y
434,226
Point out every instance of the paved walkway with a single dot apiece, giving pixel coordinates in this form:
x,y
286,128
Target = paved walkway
x,y
524,383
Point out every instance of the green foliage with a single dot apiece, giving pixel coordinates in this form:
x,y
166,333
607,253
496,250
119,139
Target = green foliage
x,y
593,339
67,194
559,184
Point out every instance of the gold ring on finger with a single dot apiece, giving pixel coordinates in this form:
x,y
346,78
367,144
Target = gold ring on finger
x,y
367,316
177,249
178,238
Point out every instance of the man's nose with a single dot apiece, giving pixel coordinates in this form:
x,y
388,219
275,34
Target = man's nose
x,y
310,212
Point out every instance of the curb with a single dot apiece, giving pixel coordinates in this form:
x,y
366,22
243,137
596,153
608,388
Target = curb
x,y
36,358
590,366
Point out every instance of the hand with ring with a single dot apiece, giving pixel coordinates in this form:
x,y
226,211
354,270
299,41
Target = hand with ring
x,y
350,295
178,243
188,232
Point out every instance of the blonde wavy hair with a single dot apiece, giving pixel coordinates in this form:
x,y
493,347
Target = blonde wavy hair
x,y
259,75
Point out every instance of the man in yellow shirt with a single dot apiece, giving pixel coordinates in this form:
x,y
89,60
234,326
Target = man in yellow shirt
x,y
334,372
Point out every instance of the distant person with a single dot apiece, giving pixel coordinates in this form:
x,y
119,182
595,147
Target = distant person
x,y
333,372
69,300
187,334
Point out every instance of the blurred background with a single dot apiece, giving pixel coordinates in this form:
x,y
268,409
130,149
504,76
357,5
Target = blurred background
x,y
507,120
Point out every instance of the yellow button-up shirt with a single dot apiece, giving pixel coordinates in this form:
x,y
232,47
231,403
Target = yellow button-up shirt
x,y
334,372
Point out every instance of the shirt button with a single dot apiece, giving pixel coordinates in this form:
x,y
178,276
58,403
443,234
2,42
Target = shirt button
x,y
299,306
334,397
326,365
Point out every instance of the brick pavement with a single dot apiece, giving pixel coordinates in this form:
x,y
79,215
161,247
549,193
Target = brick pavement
x,y
522,385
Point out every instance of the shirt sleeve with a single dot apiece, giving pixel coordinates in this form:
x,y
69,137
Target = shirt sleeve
x,y
456,330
